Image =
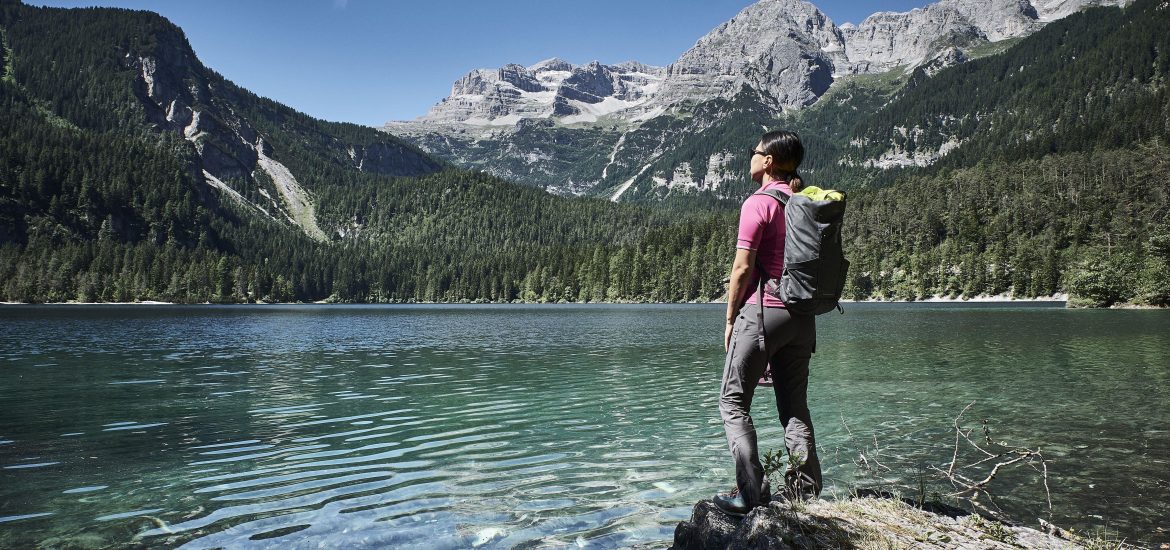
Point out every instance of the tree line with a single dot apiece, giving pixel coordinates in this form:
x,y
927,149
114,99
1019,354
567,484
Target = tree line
x,y
1091,224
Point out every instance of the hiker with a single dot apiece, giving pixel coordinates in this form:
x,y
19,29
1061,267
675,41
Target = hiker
x,y
790,339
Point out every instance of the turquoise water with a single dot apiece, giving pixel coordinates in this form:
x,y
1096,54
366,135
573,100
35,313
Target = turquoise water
x,y
538,426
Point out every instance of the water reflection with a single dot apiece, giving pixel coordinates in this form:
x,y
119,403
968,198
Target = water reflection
x,y
499,426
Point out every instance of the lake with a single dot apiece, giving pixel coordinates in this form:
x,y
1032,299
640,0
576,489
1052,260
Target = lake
x,y
541,426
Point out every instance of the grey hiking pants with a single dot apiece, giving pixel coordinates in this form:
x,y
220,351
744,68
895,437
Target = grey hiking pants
x,y
791,341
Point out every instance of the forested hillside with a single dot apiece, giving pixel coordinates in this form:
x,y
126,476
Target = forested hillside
x,y
105,194
101,200
1096,225
1095,79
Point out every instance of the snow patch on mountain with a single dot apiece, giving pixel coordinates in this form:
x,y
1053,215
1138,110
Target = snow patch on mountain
x,y
593,112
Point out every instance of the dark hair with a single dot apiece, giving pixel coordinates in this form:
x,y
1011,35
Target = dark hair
x,y
787,153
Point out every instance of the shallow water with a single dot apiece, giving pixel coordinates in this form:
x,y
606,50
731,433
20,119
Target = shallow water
x,y
538,426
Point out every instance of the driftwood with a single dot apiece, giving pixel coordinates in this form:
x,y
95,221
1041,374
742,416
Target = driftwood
x,y
996,455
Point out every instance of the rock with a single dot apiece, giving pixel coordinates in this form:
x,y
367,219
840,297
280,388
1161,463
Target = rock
x,y
786,48
591,84
711,528
947,58
551,64
863,522
887,40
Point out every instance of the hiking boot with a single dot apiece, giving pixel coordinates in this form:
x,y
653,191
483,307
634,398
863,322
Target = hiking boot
x,y
733,503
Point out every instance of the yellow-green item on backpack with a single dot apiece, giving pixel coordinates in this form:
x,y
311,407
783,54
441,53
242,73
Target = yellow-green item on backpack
x,y
817,194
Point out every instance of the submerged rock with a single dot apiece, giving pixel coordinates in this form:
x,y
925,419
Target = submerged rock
x,y
862,522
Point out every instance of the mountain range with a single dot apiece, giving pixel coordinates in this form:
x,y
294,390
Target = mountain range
x,y
782,55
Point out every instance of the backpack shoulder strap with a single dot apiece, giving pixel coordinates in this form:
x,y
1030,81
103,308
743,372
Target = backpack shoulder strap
x,y
775,194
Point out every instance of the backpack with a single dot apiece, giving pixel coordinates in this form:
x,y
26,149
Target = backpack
x,y
814,262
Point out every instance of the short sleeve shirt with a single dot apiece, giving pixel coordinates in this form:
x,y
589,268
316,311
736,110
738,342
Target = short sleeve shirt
x,y
761,228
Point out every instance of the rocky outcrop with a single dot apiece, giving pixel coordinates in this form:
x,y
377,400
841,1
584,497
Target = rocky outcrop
x,y
790,50
591,84
858,523
947,58
483,81
885,41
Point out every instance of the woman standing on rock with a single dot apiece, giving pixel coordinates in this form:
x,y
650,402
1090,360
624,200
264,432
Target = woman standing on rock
x,y
786,342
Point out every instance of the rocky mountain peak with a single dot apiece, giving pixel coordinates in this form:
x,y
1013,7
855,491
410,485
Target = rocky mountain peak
x,y
786,48
636,67
551,64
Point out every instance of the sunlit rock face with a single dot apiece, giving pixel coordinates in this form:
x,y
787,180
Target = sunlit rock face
x,y
785,48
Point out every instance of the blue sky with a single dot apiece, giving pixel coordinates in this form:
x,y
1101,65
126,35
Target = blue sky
x,y
370,61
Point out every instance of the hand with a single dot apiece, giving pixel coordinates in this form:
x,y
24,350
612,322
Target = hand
x,y
727,336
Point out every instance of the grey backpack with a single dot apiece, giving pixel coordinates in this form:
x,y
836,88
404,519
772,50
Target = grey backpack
x,y
814,263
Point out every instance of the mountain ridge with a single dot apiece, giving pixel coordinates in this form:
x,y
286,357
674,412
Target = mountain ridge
x,y
770,38
784,69
154,83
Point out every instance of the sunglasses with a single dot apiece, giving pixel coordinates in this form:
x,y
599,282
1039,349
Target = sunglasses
x,y
755,152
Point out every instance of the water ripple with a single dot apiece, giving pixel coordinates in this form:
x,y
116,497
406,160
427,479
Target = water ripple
x,y
451,427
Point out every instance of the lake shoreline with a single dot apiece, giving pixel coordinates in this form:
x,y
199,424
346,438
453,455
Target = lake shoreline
x,y
982,298
1059,298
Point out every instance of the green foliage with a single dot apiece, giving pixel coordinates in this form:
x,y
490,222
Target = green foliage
x,y
1017,228
774,466
1103,279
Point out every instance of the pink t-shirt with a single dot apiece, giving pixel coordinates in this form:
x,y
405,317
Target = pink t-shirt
x,y
761,228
